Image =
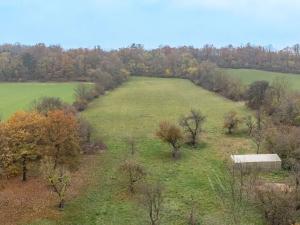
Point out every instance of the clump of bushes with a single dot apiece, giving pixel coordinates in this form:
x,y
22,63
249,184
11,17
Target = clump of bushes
x,y
83,95
172,134
231,121
280,207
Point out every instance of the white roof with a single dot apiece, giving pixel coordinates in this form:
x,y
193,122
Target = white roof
x,y
256,158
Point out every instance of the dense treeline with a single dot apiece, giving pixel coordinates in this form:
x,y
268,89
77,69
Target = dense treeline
x,y
166,61
42,63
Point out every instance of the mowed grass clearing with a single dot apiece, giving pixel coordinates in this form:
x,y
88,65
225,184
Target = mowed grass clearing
x,y
19,96
135,109
247,76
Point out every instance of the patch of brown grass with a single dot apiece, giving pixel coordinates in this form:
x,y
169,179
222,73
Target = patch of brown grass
x,y
22,202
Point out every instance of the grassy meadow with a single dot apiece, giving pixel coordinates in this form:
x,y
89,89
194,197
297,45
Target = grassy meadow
x,y
135,109
17,96
247,76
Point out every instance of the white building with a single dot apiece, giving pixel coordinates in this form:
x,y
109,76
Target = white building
x,y
265,162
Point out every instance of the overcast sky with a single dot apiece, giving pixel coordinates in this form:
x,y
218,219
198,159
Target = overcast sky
x,y
118,23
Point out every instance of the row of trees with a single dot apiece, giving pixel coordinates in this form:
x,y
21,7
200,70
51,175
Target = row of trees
x,y
42,63
168,61
210,77
85,93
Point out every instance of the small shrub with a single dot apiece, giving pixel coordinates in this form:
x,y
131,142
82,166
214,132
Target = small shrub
x,y
134,172
172,135
46,104
153,201
80,105
231,121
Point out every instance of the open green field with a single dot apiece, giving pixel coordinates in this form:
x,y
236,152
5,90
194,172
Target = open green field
x,y
16,96
135,109
248,76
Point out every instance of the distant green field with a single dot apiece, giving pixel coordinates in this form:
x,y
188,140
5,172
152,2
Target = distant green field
x,y
135,109
16,96
248,76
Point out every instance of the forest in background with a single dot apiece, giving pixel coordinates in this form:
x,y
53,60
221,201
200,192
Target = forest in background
x,y
53,63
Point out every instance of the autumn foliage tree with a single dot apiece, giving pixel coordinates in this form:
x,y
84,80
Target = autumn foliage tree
x,y
171,134
27,137
62,138
6,157
24,133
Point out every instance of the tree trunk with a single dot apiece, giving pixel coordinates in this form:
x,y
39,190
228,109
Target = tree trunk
x,y
56,156
61,204
24,169
131,188
175,153
194,141
131,182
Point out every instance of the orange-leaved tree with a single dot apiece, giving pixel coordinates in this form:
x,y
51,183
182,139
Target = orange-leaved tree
x,y
62,138
6,158
23,134
171,134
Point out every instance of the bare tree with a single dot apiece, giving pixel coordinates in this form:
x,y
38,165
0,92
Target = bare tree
x,y
231,121
231,191
259,118
134,171
131,142
256,94
192,124
250,124
153,201
278,206
45,104
58,178
82,92
257,136
193,215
